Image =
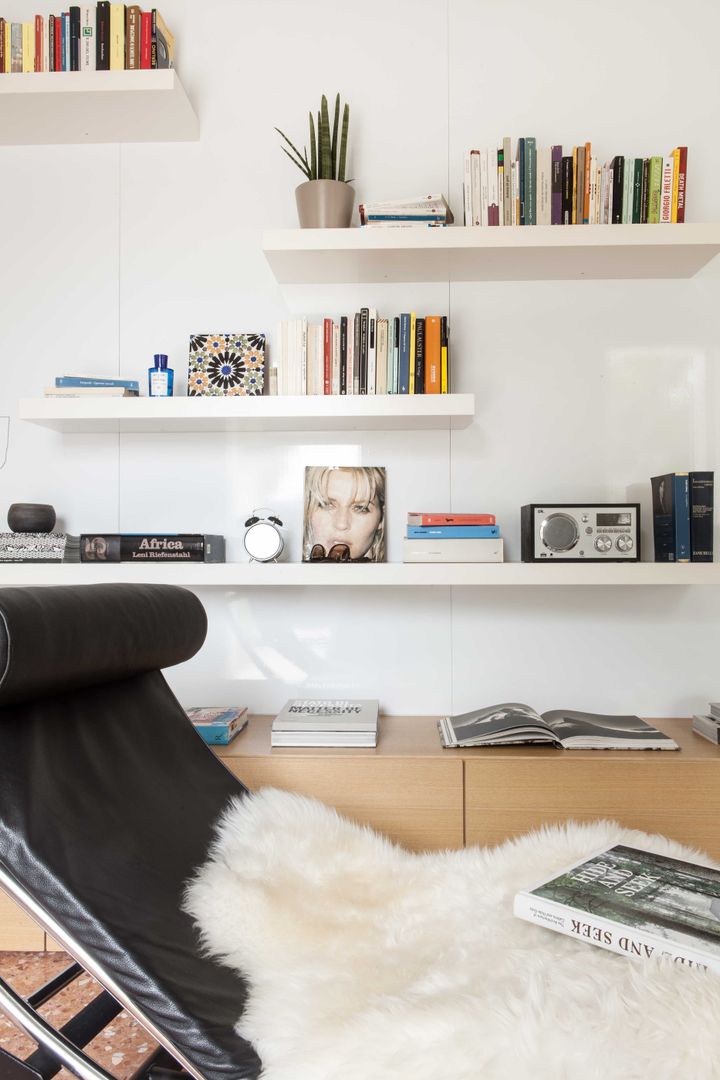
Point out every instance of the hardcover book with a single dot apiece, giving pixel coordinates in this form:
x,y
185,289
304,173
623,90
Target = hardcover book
x,y
671,517
226,365
327,714
701,515
461,550
416,518
511,722
218,726
635,903
151,547
452,532
708,727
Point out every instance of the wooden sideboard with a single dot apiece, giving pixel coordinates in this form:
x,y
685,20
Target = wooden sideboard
x,y
427,798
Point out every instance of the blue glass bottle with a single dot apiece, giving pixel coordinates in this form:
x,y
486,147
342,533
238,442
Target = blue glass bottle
x,y
160,377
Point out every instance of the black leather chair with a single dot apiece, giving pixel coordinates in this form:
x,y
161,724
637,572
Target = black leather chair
x,y
107,802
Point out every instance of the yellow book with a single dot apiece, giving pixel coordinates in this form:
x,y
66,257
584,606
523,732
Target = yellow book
x,y
411,371
28,43
443,356
573,218
117,37
676,180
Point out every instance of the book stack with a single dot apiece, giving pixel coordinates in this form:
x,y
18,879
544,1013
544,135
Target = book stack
x,y
218,726
683,507
363,354
89,386
306,722
450,538
88,37
709,726
519,184
420,211
49,547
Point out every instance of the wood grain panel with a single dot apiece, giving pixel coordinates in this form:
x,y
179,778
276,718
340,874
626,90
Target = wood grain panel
x,y
17,930
490,826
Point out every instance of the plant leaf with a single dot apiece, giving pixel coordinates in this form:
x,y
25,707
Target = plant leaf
x,y
343,143
313,149
333,148
325,160
300,164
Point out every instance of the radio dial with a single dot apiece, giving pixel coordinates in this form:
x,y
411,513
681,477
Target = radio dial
x,y
624,543
603,543
559,532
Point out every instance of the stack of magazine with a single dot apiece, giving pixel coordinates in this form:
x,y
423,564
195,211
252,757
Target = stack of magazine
x,y
500,725
323,722
709,726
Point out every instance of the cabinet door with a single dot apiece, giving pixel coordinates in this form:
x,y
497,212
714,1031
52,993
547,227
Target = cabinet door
x,y
416,802
18,932
663,792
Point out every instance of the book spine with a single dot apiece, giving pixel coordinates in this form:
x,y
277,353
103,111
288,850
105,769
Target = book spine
x,y
520,157
681,516
596,930
645,191
4,67
77,380
393,387
655,183
450,519
356,357
364,320
637,191
544,187
327,355
567,185
573,193
66,40
335,359
444,357
507,182
484,191
146,40
628,179
381,368
87,39
411,359
586,184
432,354
556,187
420,356
580,187
39,46
676,184
682,184
467,191
701,516
102,28
530,182
117,37
116,547
666,190
404,372
618,168
372,351
452,532
153,39
132,38
663,517
74,38
343,354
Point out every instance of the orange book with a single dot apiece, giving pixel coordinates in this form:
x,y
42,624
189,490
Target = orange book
x,y
432,354
586,193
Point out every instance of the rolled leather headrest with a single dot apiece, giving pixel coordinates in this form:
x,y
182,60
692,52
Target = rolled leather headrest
x,y
59,638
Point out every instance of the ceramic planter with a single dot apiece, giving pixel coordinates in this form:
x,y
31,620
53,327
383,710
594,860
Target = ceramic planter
x,y
324,204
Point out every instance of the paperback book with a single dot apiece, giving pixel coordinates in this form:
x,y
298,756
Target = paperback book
x,y
511,722
218,726
635,903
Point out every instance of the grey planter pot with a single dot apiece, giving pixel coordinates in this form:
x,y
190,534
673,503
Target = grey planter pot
x,y
324,204
31,517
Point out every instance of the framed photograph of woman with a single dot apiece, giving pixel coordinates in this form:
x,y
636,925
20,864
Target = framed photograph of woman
x,y
344,517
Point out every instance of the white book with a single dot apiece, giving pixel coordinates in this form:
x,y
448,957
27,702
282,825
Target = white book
x,y
87,37
544,186
606,182
592,213
295,358
372,351
493,202
428,550
310,380
303,356
46,45
475,187
321,738
335,370
666,188
328,714
514,192
627,190
484,187
467,188
382,357
281,363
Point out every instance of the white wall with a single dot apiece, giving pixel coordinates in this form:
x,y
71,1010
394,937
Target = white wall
x,y
583,389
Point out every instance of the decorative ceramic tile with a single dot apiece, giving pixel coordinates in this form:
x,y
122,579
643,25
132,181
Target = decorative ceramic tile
x,y
226,365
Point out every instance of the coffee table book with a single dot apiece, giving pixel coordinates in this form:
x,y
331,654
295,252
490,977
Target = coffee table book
x,y
326,722
633,902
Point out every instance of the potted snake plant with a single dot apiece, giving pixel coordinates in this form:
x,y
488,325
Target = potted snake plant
x,y
325,200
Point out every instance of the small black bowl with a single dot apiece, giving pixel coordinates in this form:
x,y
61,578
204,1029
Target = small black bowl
x,y
31,517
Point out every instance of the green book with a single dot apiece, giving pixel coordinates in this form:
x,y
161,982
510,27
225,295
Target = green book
x,y
637,191
531,182
655,183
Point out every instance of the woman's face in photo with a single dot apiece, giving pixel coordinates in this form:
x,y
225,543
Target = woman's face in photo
x,y
345,515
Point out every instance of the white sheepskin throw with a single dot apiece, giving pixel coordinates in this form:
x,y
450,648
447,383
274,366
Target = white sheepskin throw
x,y
367,962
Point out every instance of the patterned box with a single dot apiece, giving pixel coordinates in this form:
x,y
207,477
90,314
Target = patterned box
x,y
226,365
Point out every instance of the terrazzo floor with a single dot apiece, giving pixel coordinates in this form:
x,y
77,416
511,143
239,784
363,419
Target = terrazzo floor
x,y
120,1048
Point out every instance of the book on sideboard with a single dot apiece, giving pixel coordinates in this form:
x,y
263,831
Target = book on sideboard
x,y
512,722
218,726
326,722
633,902
683,511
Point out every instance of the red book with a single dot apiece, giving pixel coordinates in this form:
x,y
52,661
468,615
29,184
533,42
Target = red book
x,y
682,183
39,42
145,39
415,518
58,43
327,355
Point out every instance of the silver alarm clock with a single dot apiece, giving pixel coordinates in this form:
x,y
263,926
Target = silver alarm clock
x,y
263,539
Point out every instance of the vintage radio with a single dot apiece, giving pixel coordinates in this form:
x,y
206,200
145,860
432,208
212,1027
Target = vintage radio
x,y
591,532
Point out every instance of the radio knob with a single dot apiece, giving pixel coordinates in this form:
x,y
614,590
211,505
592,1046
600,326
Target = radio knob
x,y
559,532
603,543
624,543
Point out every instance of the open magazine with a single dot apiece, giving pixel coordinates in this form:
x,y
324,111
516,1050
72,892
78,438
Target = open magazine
x,y
499,725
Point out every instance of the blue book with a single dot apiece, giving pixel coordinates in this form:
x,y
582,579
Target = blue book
x,y
218,726
404,373
530,181
66,41
452,532
681,507
405,217
80,380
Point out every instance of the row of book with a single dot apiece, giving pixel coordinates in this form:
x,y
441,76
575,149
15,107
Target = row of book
x,y
363,354
87,37
87,386
54,547
683,513
546,187
326,722
709,725
417,210
452,538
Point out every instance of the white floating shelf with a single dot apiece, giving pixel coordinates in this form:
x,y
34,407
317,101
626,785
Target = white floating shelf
x,y
95,107
530,253
321,413
382,575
